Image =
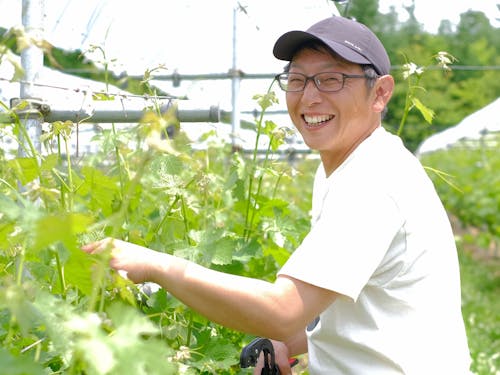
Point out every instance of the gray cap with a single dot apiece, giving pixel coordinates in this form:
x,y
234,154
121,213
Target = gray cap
x,y
351,40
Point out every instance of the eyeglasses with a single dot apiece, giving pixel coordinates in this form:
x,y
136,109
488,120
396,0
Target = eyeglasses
x,y
326,81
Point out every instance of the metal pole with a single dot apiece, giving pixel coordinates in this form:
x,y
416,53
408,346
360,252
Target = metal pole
x,y
126,112
32,63
178,77
120,111
235,82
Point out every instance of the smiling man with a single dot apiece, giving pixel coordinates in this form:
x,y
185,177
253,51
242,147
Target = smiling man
x,y
380,238
374,288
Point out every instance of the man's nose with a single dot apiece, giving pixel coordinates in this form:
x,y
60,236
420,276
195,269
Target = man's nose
x,y
311,93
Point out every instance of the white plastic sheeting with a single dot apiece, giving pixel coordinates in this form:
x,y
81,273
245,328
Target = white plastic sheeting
x,y
192,37
472,127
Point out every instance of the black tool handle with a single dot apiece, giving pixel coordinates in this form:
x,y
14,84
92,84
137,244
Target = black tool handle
x,y
250,355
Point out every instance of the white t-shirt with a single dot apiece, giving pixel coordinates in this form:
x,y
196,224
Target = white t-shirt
x,y
381,238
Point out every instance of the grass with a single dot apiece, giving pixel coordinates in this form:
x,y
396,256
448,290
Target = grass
x,y
470,190
481,310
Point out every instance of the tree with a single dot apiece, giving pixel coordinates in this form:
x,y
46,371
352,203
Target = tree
x,y
364,11
476,42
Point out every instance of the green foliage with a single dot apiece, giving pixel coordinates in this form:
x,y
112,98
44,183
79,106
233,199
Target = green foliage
x,y
475,195
470,191
364,11
480,306
454,94
62,311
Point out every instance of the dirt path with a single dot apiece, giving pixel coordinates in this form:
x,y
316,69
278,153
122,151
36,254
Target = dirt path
x,y
466,236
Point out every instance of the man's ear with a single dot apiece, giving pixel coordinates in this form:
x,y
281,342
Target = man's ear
x,y
384,87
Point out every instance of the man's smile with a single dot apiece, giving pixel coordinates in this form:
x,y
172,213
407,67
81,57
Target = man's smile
x,y
317,120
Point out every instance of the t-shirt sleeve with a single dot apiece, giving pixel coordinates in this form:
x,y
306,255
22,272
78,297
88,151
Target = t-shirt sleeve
x,y
347,242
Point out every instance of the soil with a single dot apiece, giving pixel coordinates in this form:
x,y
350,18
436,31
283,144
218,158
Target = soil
x,y
489,254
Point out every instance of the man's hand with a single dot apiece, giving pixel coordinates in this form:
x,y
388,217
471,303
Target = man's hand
x,y
135,261
282,354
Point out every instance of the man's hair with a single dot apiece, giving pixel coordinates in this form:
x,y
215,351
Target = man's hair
x,y
371,77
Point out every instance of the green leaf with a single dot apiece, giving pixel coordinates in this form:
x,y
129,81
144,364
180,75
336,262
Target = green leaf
x,y
150,356
279,254
129,322
219,355
10,209
98,354
266,100
18,69
18,365
49,162
102,96
247,250
167,165
224,248
61,227
16,299
214,247
64,228
77,271
26,169
100,189
158,302
426,112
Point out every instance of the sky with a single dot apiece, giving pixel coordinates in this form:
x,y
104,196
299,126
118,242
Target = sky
x,y
196,36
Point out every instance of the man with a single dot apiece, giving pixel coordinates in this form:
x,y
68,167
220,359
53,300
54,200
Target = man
x,y
374,288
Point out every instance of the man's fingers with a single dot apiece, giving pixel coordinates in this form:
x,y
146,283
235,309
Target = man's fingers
x,y
89,248
98,246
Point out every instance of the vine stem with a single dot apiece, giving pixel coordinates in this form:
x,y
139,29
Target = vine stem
x,y
19,280
118,159
60,272
70,175
115,224
169,210
406,110
100,286
259,186
249,205
190,328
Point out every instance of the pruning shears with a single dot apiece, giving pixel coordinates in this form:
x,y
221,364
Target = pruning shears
x,y
251,353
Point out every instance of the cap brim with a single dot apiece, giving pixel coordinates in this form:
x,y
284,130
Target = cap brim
x,y
287,45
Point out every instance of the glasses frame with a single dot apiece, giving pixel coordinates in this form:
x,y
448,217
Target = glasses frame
x,y
316,83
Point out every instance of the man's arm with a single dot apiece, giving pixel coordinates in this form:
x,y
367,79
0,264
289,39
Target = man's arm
x,y
276,310
297,344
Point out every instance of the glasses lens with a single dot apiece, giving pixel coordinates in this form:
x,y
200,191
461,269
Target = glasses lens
x,y
331,81
291,81
295,82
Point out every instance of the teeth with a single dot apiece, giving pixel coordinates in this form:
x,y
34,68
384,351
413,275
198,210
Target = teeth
x,y
317,119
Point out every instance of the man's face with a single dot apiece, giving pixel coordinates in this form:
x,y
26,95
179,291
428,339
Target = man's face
x,y
334,123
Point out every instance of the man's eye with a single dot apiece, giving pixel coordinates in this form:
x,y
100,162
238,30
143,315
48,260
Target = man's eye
x,y
295,80
330,79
